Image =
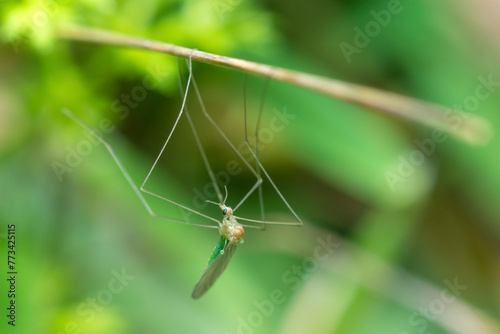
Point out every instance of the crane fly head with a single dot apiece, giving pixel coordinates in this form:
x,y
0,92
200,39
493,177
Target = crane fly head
x,y
227,211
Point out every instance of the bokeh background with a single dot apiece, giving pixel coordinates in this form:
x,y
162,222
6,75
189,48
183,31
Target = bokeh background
x,y
420,255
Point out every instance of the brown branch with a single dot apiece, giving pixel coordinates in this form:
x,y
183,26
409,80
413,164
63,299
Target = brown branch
x,y
472,128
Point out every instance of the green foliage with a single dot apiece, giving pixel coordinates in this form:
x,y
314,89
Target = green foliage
x,y
409,210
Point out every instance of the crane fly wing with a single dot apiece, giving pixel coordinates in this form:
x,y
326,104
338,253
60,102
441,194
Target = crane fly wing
x,y
221,255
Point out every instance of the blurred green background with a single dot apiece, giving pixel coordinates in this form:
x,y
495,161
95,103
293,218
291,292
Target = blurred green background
x,y
401,231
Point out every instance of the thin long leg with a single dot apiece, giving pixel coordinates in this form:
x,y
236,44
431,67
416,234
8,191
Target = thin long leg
x,y
129,179
198,142
223,135
257,167
202,150
257,138
171,132
259,164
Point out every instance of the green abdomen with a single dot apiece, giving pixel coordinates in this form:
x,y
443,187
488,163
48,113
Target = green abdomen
x,y
218,248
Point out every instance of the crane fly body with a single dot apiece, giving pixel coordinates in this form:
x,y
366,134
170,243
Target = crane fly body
x,y
231,233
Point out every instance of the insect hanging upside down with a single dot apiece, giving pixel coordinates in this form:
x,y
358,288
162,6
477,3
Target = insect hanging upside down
x,y
231,234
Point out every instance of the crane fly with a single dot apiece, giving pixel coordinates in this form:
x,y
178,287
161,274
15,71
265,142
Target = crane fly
x,y
230,230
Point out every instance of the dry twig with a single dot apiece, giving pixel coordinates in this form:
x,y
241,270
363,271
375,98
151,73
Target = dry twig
x,y
472,128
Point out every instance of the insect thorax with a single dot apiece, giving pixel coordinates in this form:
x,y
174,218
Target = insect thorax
x,y
231,229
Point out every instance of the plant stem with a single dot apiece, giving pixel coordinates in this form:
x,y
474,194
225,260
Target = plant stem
x,y
471,128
